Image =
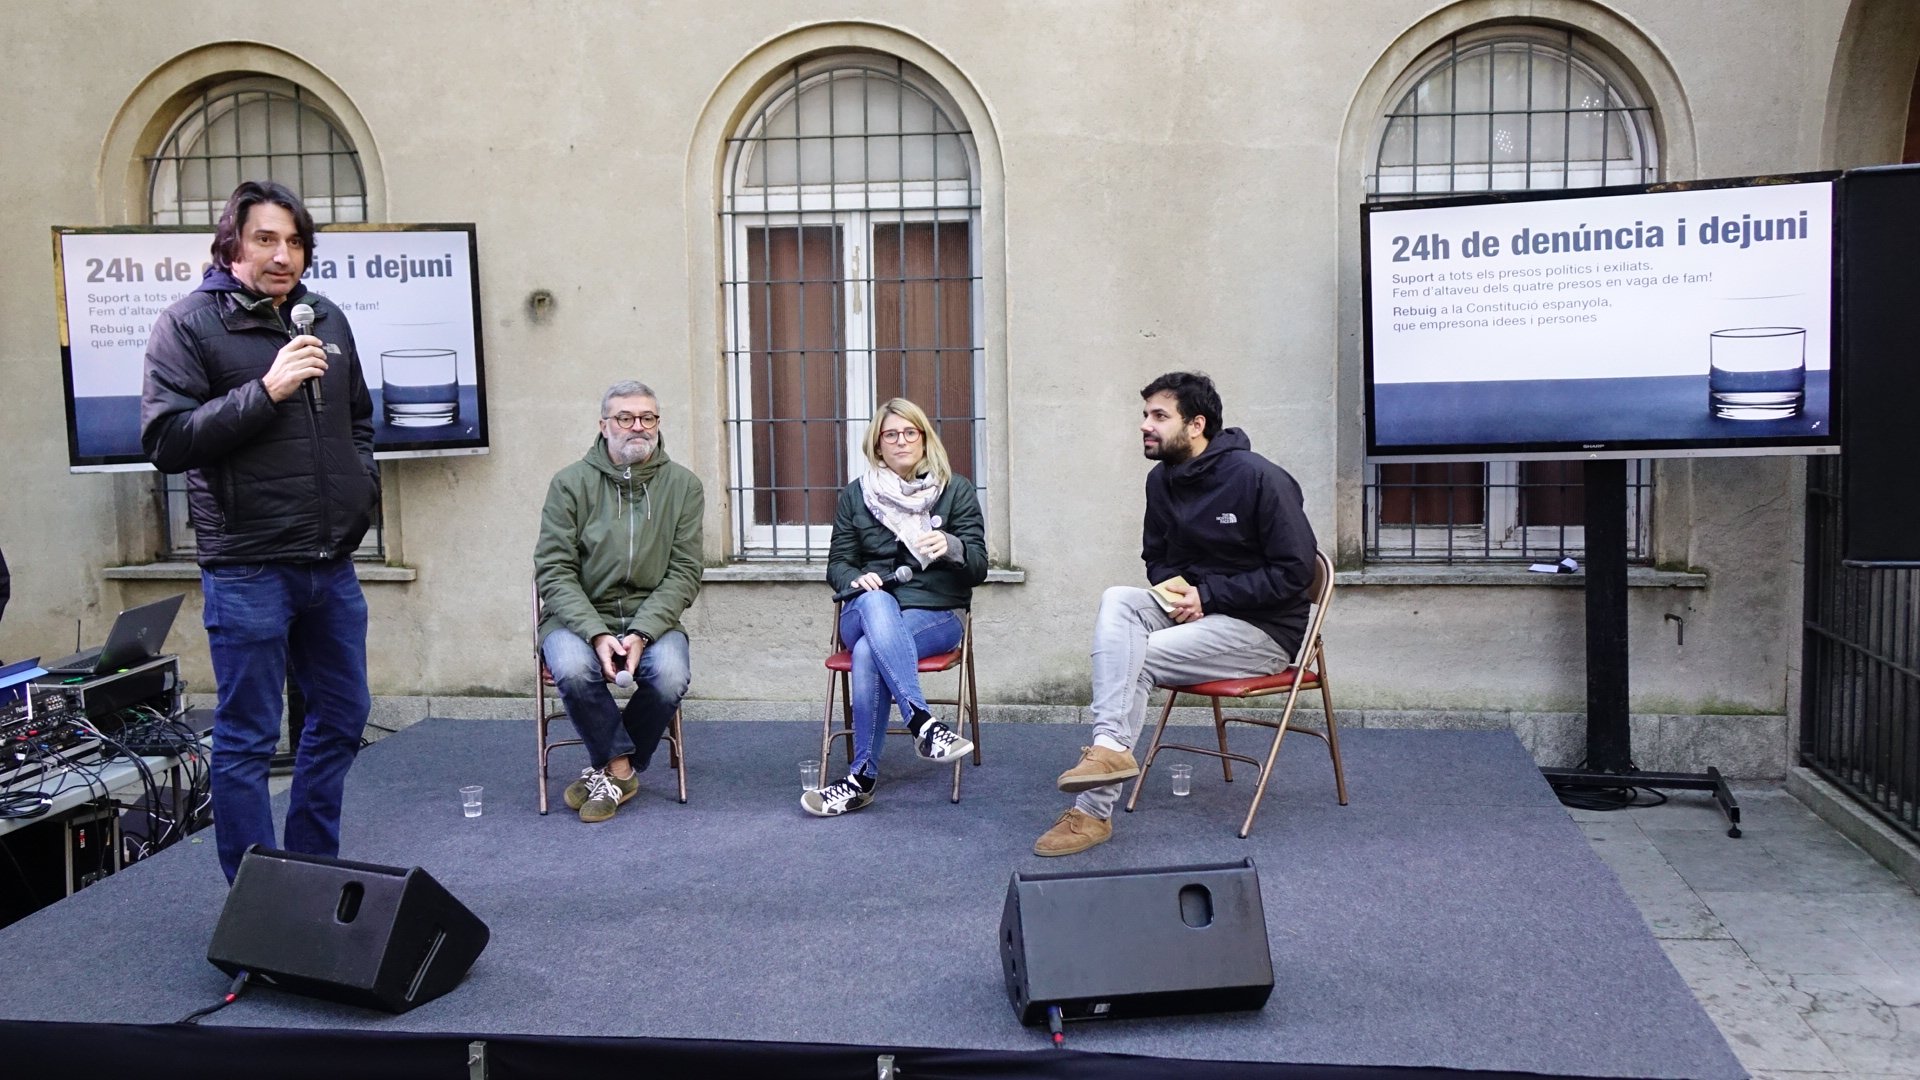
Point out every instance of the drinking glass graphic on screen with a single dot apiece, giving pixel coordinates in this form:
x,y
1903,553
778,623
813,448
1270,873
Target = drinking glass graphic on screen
x,y
1757,372
420,387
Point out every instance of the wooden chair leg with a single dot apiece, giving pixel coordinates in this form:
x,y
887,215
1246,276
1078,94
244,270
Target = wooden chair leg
x,y
1220,730
1159,730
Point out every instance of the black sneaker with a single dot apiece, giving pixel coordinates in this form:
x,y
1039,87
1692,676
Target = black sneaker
x,y
835,799
938,742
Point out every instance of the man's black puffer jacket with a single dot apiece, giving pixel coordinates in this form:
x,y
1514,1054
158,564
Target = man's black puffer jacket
x,y
266,481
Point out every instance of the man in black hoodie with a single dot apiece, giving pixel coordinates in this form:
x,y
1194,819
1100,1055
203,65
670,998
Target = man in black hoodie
x,y
1231,555
274,430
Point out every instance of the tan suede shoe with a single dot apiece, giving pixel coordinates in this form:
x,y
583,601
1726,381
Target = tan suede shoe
x,y
1098,767
1076,831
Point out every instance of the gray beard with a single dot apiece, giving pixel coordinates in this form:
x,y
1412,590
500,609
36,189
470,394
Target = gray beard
x,y
630,453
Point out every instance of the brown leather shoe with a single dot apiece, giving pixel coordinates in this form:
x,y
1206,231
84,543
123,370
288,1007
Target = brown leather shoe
x,y
1098,767
1076,831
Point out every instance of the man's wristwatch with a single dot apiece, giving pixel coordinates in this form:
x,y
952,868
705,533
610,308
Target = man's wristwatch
x,y
646,639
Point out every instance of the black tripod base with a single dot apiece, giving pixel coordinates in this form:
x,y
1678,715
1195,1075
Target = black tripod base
x,y
1711,780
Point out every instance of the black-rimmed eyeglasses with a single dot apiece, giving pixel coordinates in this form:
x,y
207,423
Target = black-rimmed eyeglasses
x,y
901,435
627,421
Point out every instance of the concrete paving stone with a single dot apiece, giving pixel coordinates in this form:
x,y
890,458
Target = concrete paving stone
x,y
1871,1024
1890,924
1670,907
1710,861
1796,933
1832,864
1761,1027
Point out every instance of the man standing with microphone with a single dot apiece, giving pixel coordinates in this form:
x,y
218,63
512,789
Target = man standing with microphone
x,y
280,490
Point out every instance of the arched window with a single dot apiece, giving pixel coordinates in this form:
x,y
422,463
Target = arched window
x,y
1504,108
851,223
251,128
254,129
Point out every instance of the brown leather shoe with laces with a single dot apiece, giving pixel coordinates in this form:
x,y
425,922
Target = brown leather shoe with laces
x,y
1098,767
1076,831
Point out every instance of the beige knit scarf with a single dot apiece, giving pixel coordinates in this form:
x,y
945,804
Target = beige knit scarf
x,y
903,506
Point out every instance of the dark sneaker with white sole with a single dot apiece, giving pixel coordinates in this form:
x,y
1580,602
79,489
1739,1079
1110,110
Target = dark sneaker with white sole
x,y
576,794
605,793
938,742
835,799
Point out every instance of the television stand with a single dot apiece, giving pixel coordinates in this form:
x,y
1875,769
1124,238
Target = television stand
x,y
1609,762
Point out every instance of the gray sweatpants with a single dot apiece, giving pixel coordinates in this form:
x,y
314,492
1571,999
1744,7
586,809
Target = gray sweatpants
x,y
1136,645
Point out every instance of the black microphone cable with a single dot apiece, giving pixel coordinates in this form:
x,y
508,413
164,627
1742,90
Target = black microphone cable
x,y
233,994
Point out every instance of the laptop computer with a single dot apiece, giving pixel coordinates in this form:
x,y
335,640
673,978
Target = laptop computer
x,y
137,637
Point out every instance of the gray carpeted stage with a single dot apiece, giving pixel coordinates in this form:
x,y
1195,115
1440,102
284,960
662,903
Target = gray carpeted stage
x,y
1451,916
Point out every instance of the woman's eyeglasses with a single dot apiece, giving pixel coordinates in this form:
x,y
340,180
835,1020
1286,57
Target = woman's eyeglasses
x,y
901,435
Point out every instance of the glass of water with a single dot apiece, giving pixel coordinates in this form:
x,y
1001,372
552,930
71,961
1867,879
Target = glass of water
x,y
1757,372
420,387
1182,779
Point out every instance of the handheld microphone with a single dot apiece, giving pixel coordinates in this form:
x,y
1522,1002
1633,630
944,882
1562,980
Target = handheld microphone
x,y
900,576
302,316
623,679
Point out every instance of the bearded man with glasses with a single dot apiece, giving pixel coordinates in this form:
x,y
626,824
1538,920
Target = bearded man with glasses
x,y
617,564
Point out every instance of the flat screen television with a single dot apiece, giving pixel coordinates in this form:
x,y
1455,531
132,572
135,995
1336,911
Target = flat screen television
x,y
411,293
1673,319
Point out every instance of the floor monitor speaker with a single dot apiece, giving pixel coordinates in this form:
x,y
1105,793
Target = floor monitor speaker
x,y
1111,944
375,936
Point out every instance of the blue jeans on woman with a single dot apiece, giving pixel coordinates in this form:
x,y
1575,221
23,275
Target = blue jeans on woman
x,y
887,644
257,615
607,730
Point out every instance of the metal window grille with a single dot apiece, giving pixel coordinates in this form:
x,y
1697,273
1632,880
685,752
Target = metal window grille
x,y
1860,688
851,225
251,129
1504,109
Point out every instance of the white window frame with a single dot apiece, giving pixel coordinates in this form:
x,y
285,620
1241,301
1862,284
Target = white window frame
x,y
855,209
1502,535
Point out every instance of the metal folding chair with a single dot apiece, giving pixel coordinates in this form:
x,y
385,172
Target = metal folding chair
x,y
1307,673
965,700
545,713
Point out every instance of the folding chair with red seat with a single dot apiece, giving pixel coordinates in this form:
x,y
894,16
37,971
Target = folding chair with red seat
x,y
544,714
1307,673
965,700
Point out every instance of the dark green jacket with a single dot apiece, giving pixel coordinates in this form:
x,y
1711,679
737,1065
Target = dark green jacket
x,y
619,549
861,545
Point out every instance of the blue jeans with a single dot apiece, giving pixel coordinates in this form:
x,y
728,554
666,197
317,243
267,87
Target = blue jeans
x,y
887,643
608,732
257,615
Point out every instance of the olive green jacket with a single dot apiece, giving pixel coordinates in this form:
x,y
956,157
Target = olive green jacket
x,y
620,549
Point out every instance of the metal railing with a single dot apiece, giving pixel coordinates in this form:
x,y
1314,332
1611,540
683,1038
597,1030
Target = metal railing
x,y
1860,694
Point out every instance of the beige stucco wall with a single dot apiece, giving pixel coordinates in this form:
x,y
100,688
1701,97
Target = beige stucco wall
x,y
1168,184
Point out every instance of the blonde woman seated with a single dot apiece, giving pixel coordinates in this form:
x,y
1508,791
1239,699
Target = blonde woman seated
x,y
909,510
